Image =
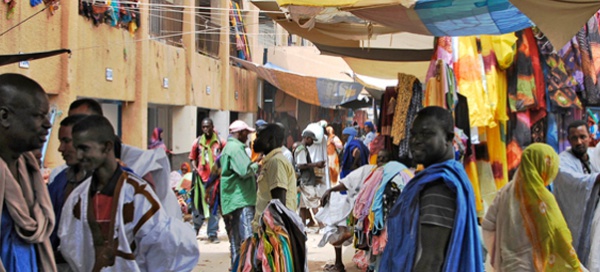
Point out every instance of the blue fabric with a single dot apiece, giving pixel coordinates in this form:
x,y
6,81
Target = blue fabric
x,y
17,255
347,159
464,248
470,17
370,125
350,131
390,170
57,189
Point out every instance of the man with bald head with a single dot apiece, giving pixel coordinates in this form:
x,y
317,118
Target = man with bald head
x,y
27,215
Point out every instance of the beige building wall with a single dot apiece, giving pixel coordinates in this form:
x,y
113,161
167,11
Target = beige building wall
x,y
139,65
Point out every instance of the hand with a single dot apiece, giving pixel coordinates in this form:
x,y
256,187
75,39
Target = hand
x,y
320,164
325,197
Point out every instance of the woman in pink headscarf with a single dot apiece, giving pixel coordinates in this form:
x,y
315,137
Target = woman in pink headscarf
x,y
156,140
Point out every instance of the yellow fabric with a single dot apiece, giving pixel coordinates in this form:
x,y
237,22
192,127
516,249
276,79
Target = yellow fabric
x,y
504,46
543,221
434,93
468,70
471,169
405,93
496,140
277,172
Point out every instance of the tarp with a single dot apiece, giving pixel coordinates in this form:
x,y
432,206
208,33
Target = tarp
x,y
8,59
322,92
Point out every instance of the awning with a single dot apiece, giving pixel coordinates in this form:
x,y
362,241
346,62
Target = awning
x,y
8,59
558,19
322,92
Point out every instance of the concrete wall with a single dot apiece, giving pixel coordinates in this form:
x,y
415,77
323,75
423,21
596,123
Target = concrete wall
x,y
139,65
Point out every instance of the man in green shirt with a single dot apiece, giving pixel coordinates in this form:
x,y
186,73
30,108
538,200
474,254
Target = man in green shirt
x,y
238,186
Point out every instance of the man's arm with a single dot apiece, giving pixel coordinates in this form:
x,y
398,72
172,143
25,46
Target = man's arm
x,y
356,158
434,241
279,193
327,194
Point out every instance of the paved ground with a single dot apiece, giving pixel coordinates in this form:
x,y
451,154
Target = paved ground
x,y
215,257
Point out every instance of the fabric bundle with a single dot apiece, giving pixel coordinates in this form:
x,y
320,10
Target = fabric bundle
x,y
280,244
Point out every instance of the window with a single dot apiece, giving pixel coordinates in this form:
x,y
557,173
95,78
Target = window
x,y
208,29
166,21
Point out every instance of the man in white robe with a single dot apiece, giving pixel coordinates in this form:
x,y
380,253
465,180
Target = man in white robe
x,y
114,221
576,187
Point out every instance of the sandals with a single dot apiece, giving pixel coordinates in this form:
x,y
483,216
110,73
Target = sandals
x,y
333,268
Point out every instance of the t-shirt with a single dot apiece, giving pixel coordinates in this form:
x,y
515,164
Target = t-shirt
x,y
102,201
437,205
307,176
238,183
277,172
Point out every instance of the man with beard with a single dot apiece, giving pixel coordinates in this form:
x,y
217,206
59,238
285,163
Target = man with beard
x,y
27,216
577,186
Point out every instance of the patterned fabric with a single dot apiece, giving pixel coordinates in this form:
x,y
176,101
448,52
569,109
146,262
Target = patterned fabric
x,y
416,104
543,221
524,77
403,100
589,44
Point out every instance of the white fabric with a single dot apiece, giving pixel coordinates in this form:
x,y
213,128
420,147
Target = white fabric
x,y
301,157
572,189
55,171
162,243
504,235
287,154
155,162
336,212
593,262
174,179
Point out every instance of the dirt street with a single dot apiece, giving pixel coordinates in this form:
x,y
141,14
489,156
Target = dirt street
x,y
215,257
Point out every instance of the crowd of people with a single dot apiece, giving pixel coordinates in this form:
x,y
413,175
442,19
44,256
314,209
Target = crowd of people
x,y
114,207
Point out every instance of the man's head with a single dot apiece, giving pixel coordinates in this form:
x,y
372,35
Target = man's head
x,y
329,130
259,123
579,137
348,132
268,137
85,106
185,167
369,126
24,120
240,130
207,127
383,157
308,138
94,140
65,137
431,136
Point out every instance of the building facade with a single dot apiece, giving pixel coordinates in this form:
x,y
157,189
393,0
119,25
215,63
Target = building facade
x,y
172,71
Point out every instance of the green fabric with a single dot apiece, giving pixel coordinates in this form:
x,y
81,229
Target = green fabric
x,y
206,147
238,177
199,195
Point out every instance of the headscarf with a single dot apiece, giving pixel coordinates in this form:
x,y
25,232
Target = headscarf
x,y
156,141
351,132
188,167
370,125
543,221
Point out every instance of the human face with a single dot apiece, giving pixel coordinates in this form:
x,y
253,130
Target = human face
x,y
184,168
308,141
243,136
90,153
66,147
579,138
429,142
329,130
207,128
28,123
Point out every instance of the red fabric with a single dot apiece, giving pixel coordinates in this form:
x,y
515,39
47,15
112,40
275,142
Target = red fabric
x,y
102,209
538,73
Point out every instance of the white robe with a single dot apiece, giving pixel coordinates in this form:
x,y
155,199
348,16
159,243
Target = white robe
x,y
161,243
573,192
155,162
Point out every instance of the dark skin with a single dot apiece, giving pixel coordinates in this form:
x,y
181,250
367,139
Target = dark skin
x,y
208,130
265,144
383,157
304,212
579,138
431,144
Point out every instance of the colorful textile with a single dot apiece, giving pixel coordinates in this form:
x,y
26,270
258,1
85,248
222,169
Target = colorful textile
x,y
403,100
523,76
334,147
469,72
26,201
156,140
238,183
464,248
390,171
205,152
348,158
416,104
364,199
138,220
388,107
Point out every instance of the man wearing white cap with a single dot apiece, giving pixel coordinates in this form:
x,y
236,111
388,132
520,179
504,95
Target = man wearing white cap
x,y
238,186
